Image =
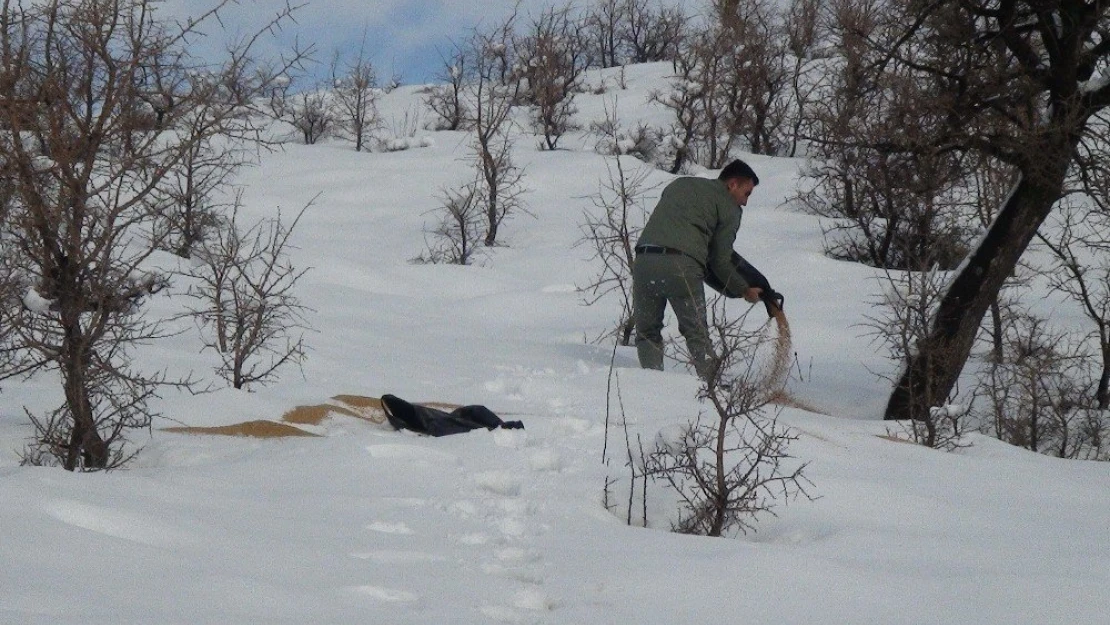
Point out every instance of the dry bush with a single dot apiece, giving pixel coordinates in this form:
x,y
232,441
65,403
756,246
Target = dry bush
x,y
308,111
551,60
102,105
730,466
355,95
457,238
902,316
612,230
446,99
1037,395
490,102
246,306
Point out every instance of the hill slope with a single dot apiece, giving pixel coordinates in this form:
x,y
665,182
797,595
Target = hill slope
x,y
362,524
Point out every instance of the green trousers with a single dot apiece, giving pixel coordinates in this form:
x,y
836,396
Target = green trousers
x,y
661,279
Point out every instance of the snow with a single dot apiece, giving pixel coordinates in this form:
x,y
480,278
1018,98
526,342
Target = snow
x,y
362,524
36,303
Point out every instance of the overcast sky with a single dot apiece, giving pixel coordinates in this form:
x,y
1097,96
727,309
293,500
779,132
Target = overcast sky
x,y
402,36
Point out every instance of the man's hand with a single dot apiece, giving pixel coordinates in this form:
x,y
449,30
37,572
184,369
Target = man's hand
x,y
752,295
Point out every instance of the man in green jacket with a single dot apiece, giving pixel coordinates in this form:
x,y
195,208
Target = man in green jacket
x,y
692,227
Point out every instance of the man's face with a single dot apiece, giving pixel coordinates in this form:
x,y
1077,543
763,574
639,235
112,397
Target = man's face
x,y
739,190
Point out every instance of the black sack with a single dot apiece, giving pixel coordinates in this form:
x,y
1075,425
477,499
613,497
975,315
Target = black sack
x,y
771,298
403,415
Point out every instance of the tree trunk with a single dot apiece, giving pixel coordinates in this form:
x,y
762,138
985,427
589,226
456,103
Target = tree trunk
x,y
85,442
931,372
1103,392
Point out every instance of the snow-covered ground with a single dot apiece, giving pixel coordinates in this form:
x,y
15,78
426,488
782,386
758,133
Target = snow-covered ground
x,y
367,525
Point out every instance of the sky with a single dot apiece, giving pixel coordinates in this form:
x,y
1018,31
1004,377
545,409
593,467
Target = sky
x,y
402,37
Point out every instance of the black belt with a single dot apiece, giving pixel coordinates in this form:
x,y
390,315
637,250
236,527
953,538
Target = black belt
x,y
657,249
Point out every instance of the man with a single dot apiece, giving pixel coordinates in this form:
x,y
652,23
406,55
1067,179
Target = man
x,y
692,227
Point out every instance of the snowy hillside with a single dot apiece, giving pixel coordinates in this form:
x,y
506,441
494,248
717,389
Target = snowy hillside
x,y
363,524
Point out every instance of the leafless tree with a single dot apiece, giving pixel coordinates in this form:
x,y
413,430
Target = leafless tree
x,y
613,139
190,198
82,162
1081,270
490,103
804,36
1024,83
652,33
612,231
446,98
1036,394
308,111
458,235
247,309
602,32
759,98
733,465
703,99
355,96
902,315
908,209
552,59
731,88
683,99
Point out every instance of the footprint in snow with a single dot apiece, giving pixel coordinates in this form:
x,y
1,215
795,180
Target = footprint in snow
x,y
397,557
387,595
416,453
546,460
521,573
530,605
390,528
499,483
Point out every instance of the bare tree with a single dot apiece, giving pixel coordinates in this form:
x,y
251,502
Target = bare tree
x,y
1024,83
309,111
83,162
1081,270
447,99
652,33
552,59
803,37
731,87
683,99
190,205
355,99
612,232
731,466
886,208
457,236
759,96
601,27
704,98
247,308
1036,394
902,315
490,103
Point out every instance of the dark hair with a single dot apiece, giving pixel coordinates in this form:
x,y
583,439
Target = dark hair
x,y
739,169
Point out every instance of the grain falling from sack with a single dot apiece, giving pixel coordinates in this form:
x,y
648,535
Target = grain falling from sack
x,y
779,368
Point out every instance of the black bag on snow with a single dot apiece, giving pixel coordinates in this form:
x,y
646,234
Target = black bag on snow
x,y
403,415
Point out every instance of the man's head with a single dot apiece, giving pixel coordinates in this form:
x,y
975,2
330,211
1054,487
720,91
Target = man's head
x,y
739,180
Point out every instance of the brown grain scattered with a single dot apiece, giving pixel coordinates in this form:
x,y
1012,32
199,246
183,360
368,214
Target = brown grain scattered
x,y
252,429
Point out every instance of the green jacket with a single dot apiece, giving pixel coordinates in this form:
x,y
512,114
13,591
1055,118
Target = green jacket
x,y
698,217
